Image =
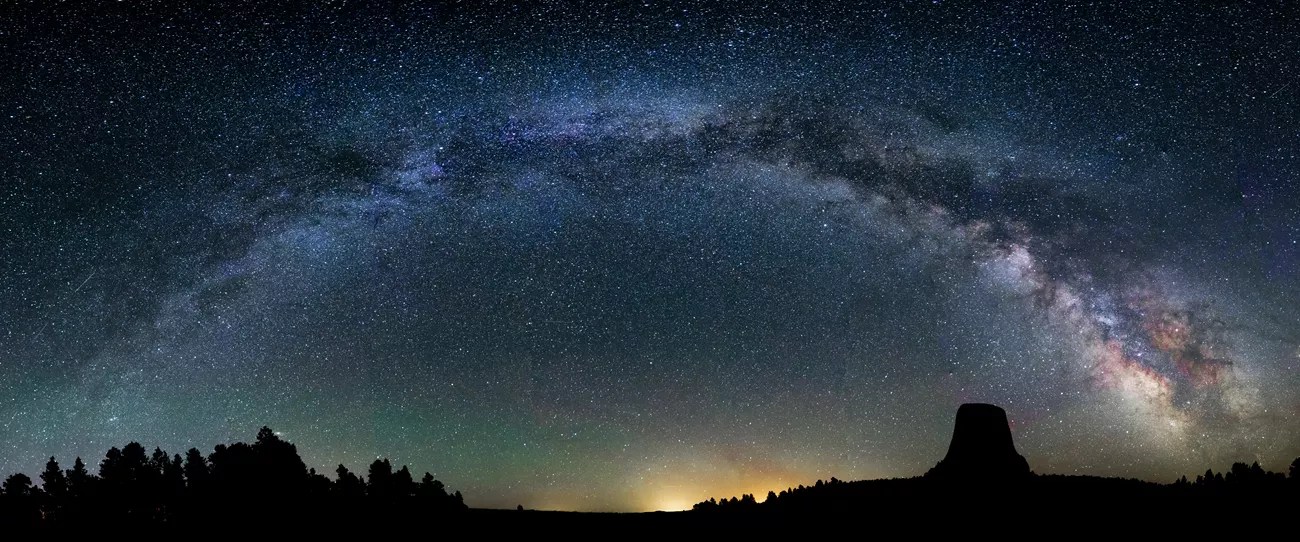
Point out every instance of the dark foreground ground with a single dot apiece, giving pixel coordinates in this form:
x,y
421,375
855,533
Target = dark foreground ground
x,y
1038,506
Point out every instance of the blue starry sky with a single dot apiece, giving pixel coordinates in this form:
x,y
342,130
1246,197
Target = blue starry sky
x,y
628,256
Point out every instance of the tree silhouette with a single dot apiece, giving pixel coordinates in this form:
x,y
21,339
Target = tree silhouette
x,y
53,481
135,464
54,487
79,480
403,485
233,469
110,468
348,486
174,476
318,485
17,486
380,479
431,488
158,461
195,470
279,468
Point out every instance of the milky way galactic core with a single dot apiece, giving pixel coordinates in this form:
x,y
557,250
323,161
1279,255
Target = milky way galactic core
x,y
627,258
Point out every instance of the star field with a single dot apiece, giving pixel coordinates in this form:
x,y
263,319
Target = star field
x,y
629,256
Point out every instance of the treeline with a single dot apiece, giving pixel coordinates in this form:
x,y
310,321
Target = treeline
x,y
1240,482
1241,476
265,480
773,499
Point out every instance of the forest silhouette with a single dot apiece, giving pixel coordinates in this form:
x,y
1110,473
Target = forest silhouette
x,y
265,481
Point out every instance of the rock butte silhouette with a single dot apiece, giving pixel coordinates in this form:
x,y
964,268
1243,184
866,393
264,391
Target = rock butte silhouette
x,y
981,447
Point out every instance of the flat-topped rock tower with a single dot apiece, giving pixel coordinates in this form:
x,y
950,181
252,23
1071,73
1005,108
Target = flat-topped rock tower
x,y
981,447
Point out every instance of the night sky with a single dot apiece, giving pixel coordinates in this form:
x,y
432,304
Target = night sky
x,y
632,256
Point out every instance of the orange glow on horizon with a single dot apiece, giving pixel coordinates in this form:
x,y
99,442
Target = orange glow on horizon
x,y
683,497
672,503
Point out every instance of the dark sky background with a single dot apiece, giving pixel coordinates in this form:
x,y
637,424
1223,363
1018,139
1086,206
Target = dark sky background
x,y
630,256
